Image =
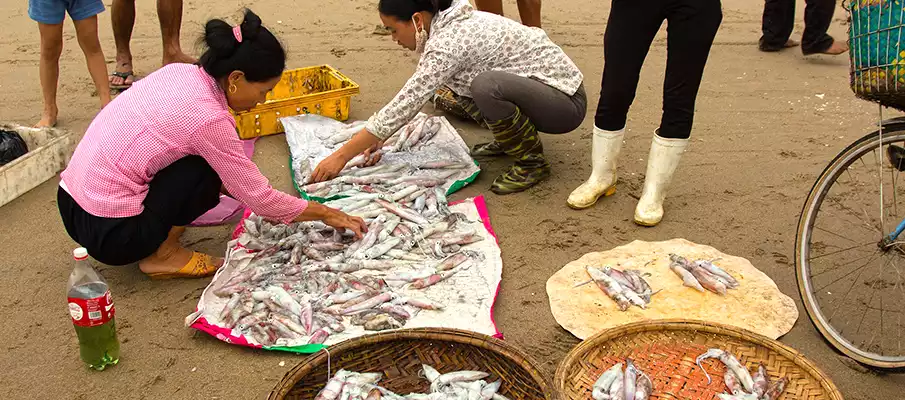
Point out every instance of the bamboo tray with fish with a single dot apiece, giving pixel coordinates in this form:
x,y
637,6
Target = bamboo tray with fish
x,y
399,356
667,351
755,303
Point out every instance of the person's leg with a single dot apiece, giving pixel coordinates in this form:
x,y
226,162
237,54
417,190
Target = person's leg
x,y
508,103
86,30
169,12
529,12
818,14
112,241
777,24
491,6
630,30
498,95
177,195
122,16
693,24
51,49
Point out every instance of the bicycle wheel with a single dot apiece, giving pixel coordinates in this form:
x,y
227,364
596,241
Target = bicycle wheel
x,y
850,277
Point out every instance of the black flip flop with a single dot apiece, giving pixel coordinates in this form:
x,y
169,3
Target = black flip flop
x,y
125,76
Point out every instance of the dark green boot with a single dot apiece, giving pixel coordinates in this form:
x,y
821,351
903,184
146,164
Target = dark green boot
x,y
518,138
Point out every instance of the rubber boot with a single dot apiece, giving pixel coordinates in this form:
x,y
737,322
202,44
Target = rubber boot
x,y
661,164
518,137
605,150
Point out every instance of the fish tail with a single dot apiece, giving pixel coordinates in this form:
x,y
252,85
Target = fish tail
x,y
709,380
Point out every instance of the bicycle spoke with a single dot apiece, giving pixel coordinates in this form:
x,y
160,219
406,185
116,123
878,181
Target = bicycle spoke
x,y
834,268
852,212
839,251
835,309
873,291
839,236
860,200
861,268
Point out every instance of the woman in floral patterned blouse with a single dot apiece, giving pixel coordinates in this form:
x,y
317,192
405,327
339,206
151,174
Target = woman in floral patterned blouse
x,y
506,76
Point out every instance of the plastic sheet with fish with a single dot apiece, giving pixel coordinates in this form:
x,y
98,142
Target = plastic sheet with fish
x,y
467,297
312,138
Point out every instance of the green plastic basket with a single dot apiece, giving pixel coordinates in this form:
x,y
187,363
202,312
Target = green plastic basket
x,y
877,50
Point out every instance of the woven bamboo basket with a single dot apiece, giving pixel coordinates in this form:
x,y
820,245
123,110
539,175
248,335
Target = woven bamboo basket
x,y
399,355
666,351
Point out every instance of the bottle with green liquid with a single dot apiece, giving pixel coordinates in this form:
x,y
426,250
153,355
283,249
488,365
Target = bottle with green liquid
x,y
92,312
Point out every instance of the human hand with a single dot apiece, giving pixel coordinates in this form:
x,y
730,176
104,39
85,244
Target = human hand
x,y
373,154
328,169
341,221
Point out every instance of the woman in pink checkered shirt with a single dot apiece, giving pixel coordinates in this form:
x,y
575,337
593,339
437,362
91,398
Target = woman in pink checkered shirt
x,y
161,153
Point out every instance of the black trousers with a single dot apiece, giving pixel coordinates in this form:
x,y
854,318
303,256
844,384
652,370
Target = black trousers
x,y
779,19
177,195
632,25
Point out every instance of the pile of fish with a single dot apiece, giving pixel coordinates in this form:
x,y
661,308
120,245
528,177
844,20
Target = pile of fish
x,y
387,176
459,385
743,386
307,281
614,384
626,288
702,274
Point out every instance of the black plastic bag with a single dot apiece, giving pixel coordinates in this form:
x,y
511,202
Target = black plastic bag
x,y
11,146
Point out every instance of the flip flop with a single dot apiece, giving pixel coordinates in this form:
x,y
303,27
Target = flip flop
x,y
125,76
199,266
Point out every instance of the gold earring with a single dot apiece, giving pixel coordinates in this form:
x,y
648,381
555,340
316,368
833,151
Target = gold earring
x,y
233,89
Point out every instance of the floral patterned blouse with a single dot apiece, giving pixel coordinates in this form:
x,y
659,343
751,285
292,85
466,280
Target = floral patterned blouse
x,y
465,43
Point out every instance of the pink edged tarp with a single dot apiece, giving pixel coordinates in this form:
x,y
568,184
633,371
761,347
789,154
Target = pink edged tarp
x,y
229,209
204,318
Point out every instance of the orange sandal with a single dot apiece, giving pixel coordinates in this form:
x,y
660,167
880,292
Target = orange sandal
x,y
199,266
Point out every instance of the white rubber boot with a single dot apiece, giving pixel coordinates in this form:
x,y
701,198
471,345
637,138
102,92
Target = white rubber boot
x,y
661,164
604,152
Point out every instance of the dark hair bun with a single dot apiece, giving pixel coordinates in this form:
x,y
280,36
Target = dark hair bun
x,y
251,26
260,56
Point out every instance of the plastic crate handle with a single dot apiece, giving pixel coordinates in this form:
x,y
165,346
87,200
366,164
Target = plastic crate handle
x,y
339,75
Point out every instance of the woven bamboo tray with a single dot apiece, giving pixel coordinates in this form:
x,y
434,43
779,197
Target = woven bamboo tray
x,y
399,355
666,351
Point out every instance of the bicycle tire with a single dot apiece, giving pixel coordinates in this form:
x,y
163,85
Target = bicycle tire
x,y
893,131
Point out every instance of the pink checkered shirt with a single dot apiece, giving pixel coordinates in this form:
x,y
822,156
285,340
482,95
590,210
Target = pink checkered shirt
x,y
174,112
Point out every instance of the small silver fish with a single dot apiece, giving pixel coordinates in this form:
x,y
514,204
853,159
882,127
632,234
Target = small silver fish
x,y
761,380
628,385
601,387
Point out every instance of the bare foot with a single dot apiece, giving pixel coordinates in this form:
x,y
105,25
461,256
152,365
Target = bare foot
x,y
48,119
178,57
791,43
836,48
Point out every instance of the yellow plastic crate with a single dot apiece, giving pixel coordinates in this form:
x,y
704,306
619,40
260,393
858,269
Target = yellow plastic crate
x,y
312,90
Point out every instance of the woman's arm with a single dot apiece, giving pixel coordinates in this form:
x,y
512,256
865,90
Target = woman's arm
x,y
362,142
335,218
435,68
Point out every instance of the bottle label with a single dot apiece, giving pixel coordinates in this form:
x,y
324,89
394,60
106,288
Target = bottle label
x,y
91,312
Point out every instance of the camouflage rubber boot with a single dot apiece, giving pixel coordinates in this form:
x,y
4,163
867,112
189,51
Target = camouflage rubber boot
x,y
518,138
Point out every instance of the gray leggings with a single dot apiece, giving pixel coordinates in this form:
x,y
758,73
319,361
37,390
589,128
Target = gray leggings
x,y
497,94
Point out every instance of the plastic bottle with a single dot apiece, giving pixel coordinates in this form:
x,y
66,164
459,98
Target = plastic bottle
x,y
92,312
